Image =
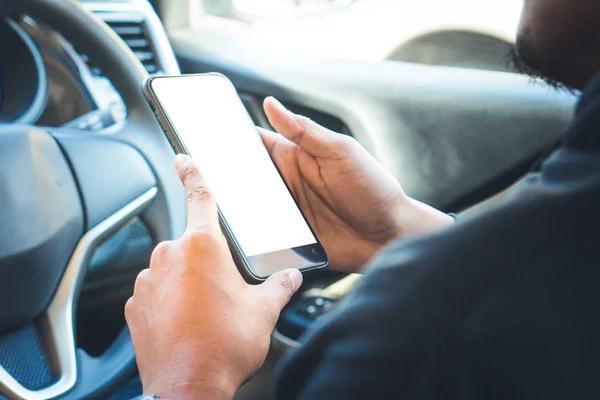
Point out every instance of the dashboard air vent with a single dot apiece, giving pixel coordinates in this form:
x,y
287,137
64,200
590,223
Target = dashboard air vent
x,y
135,35
137,38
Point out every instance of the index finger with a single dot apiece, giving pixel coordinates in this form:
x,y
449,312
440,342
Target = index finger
x,y
201,205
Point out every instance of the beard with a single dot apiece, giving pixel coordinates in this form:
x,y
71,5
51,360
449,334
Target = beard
x,y
518,60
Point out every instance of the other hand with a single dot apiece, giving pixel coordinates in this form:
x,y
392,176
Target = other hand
x,y
354,205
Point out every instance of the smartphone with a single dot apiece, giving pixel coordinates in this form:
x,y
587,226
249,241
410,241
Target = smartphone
x,y
203,116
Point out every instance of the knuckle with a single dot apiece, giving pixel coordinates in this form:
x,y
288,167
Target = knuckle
x,y
343,141
163,247
198,194
161,250
202,238
188,172
303,123
129,309
286,285
341,144
141,281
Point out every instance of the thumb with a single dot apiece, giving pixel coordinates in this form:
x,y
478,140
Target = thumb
x,y
310,136
280,286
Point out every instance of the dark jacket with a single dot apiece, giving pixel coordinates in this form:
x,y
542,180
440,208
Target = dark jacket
x,y
503,305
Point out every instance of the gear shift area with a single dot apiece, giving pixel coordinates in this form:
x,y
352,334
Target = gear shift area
x,y
311,305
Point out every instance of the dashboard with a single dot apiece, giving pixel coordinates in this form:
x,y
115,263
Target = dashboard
x,y
23,88
46,81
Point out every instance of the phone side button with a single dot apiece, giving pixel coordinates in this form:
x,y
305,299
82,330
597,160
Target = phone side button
x,y
162,125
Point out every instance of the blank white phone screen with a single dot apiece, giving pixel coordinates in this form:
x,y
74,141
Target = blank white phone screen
x,y
209,117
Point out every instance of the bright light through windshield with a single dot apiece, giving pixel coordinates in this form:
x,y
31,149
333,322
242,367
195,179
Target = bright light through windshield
x,y
461,33
280,8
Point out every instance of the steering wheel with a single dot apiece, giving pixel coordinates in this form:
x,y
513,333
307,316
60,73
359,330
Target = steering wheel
x,y
62,193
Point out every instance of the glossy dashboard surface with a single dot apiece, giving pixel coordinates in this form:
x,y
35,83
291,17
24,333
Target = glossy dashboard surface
x,y
44,80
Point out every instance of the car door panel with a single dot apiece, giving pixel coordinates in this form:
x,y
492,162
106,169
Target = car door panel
x,y
451,136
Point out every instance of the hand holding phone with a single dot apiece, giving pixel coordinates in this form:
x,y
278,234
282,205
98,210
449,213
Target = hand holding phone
x,y
203,117
356,205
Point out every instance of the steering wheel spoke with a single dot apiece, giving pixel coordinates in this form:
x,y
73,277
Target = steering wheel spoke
x,y
56,327
110,173
79,189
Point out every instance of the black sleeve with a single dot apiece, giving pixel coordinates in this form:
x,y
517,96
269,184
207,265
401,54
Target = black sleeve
x,y
419,322
345,364
501,305
390,339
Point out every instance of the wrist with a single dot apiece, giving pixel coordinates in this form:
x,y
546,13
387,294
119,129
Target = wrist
x,y
192,391
415,217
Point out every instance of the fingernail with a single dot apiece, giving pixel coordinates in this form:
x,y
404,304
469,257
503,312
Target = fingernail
x,y
296,278
181,160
